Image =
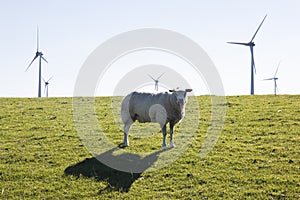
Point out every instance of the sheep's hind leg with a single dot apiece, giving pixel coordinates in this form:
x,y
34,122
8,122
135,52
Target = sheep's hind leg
x,y
172,145
126,131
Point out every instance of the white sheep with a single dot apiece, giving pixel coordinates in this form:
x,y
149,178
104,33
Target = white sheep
x,y
159,108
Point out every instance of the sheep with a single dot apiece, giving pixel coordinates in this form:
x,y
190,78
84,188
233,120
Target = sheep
x,y
159,108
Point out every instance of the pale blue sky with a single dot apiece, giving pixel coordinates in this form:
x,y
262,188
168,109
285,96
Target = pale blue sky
x,y
71,30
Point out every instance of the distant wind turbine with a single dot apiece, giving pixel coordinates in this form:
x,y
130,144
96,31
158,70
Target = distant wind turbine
x,y
156,80
46,85
275,79
40,55
251,45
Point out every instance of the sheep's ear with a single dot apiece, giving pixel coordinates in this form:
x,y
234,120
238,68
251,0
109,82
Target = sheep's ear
x,y
188,90
171,90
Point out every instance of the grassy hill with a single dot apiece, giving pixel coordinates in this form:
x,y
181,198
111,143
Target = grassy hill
x,y
257,155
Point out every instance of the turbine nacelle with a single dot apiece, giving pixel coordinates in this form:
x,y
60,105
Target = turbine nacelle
x,y
39,53
251,44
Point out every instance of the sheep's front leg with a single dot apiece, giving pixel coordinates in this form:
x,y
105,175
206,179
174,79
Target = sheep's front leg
x,y
172,145
164,133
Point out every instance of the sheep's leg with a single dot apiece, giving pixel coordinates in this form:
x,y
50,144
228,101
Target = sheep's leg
x,y
172,145
164,132
126,131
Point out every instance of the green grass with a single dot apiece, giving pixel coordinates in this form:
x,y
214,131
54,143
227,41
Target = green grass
x,y
257,155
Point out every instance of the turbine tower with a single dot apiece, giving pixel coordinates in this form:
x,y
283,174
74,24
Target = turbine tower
x,y
156,80
40,55
275,79
46,86
251,45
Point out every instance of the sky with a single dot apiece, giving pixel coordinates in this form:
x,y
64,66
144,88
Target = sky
x,y
70,31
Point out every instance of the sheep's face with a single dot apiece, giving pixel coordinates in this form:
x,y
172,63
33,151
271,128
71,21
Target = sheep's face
x,y
181,95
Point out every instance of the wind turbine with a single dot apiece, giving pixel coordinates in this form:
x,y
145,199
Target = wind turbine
x,y
156,80
251,45
46,85
40,55
275,79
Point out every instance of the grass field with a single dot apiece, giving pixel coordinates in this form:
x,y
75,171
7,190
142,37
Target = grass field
x,y
256,157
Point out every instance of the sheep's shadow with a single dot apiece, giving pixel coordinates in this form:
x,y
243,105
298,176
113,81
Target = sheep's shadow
x,y
116,179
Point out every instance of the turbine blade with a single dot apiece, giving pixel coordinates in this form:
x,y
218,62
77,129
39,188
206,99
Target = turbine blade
x,y
277,69
151,77
37,38
258,29
268,79
31,62
239,43
160,75
44,59
277,87
46,91
50,78
44,80
254,67
252,59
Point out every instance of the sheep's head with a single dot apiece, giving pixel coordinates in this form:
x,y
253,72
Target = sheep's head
x,y
181,95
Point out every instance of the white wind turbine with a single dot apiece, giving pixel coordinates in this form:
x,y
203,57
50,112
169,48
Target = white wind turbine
x,y
39,55
47,85
156,80
274,79
251,45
